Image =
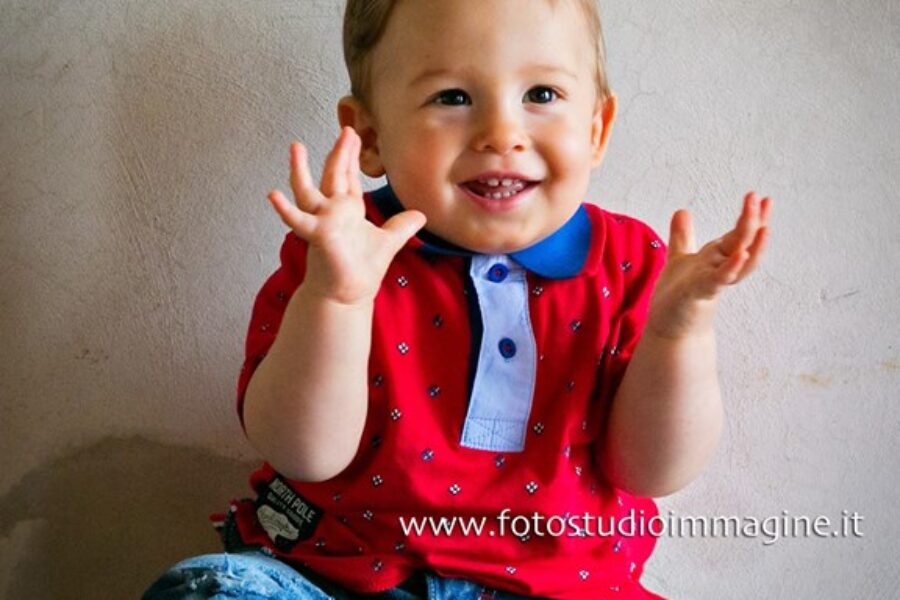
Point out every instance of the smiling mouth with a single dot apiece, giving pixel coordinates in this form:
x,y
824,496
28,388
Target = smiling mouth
x,y
497,188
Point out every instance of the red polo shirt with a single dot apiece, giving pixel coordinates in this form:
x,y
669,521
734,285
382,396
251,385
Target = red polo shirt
x,y
442,439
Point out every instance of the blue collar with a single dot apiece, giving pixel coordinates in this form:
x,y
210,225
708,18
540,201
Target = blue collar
x,y
558,256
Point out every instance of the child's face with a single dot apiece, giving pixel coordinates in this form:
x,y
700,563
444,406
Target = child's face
x,y
465,92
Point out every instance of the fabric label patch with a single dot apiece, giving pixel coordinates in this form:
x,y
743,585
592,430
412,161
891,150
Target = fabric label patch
x,y
287,517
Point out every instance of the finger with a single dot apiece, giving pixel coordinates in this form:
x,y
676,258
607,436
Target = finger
x,y
755,251
765,207
403,226
302,184
745,230
681,233
353,180
728,271
334,175
712,252
303,224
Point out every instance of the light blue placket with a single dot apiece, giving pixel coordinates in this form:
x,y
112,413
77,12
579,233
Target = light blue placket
x,y
507,362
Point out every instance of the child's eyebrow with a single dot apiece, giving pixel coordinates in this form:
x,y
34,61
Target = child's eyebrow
x,y
538,69
551,70
426,76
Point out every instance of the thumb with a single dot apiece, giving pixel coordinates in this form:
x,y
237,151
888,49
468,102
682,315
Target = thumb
x,y
403,226
681,233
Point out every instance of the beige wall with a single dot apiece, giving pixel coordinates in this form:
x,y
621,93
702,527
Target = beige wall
x,y
138,141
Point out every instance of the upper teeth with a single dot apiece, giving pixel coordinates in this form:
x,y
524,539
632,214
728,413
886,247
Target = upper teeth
x,y
494,182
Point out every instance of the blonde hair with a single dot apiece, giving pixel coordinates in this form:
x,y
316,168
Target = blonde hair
x,y
366,20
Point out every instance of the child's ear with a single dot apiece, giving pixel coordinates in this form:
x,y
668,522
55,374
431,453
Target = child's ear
x,y
604,116
352,113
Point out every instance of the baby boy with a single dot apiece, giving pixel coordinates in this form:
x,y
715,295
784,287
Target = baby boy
x,y
473,344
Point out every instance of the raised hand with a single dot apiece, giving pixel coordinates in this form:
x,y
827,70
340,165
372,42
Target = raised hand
x,y
684,300
348,255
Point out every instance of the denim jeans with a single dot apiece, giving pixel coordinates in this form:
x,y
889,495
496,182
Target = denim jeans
x,y
252,575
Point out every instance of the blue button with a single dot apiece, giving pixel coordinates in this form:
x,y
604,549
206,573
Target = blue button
x,y
498,272
507,348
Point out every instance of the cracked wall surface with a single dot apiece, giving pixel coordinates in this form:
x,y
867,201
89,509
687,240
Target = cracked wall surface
x,y
138,141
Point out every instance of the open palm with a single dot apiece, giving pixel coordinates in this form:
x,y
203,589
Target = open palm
x,y
688,288
348,255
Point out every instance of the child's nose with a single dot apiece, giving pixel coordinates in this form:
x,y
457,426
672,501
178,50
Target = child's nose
x,y
500,132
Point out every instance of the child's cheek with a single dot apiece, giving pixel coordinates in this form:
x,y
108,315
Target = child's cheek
x,y
421,165
569,157
427,142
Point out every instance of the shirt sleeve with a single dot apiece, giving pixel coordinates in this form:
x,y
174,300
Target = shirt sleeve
x,y
268,310
640,256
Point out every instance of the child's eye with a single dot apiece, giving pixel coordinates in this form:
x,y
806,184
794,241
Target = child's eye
x,y
541,95
454,97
